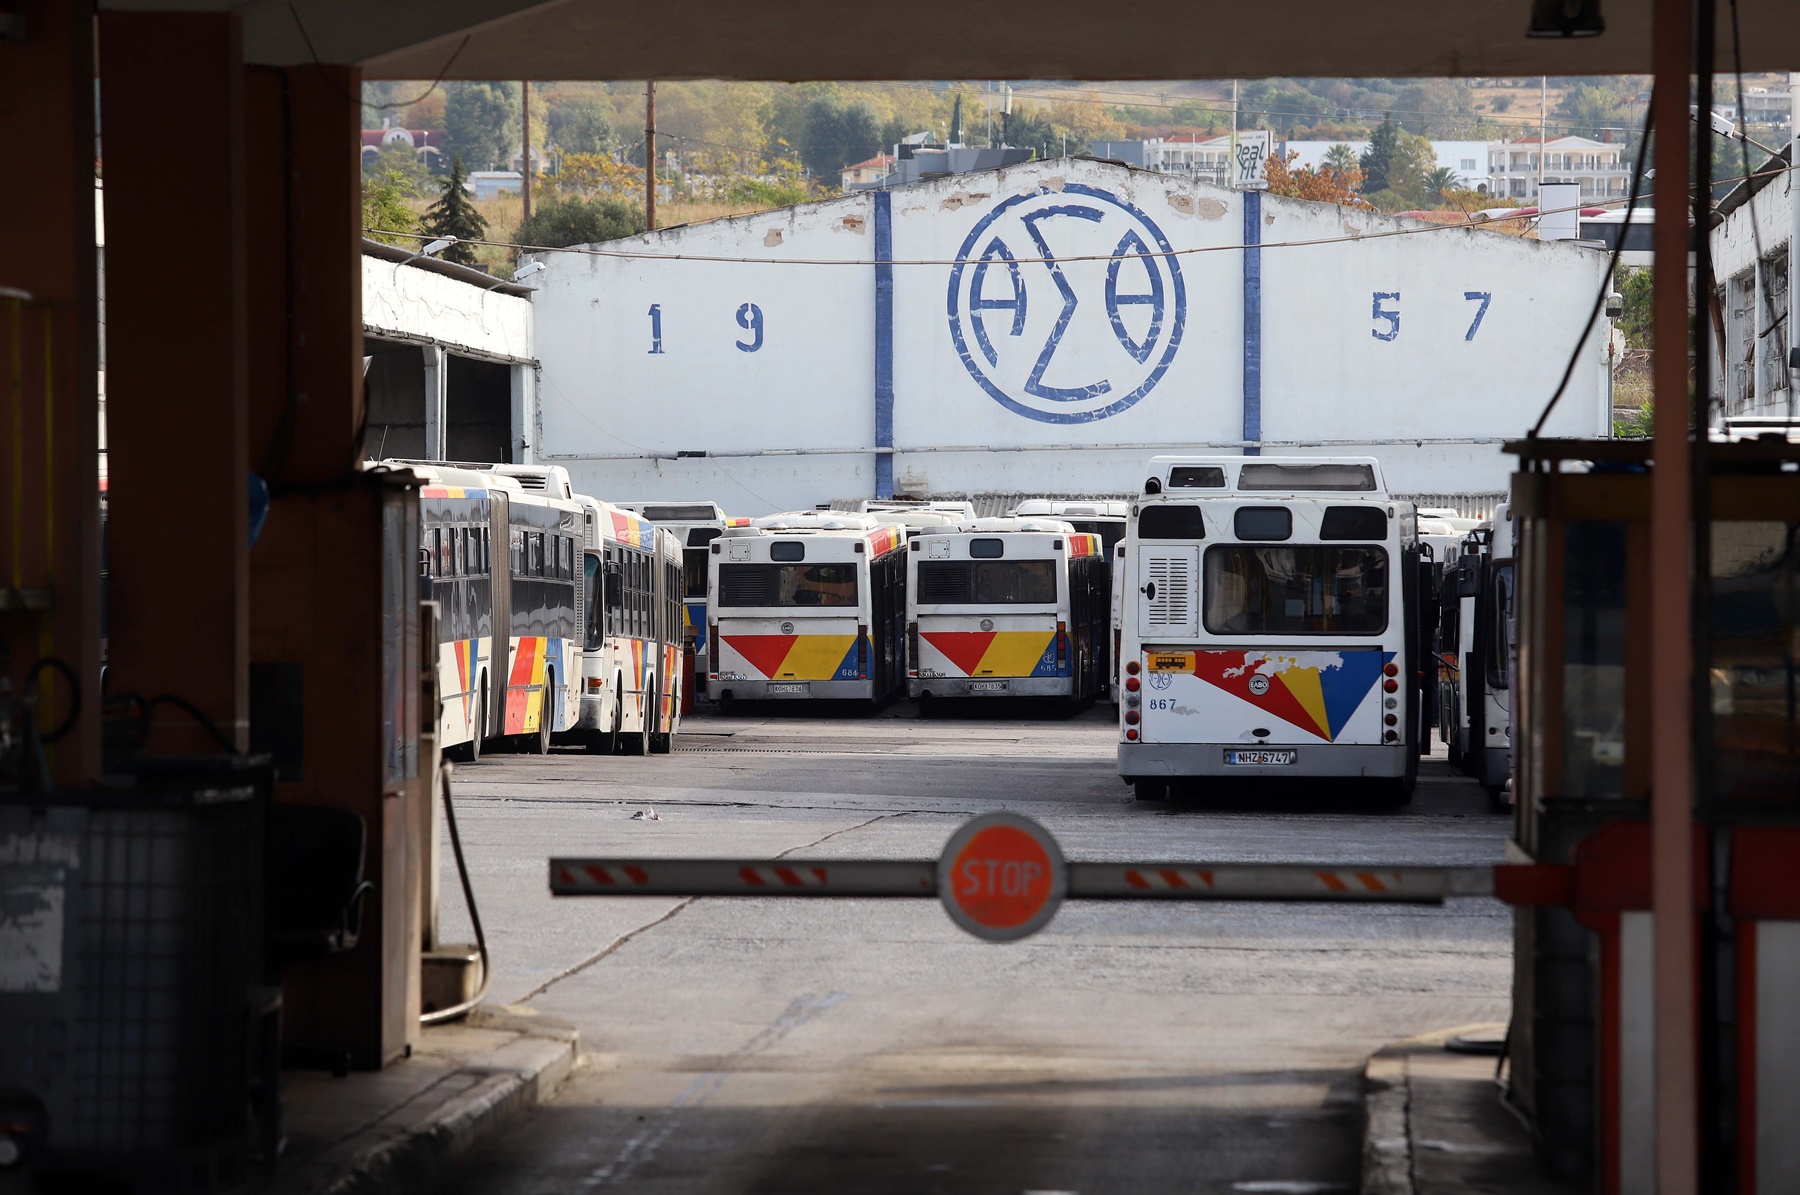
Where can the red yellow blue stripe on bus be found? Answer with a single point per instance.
(798, 657)
(528, 699)
(451, 491)
(627, 528)
(1316, 691)
(1084, 545)
(998, 653)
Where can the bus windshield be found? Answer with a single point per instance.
(1253, 590)
(787, 584)
(987, 582)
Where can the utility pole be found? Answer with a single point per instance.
(1543, 139)
(650, 155)
(525, 112)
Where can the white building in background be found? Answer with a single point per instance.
(1599, 167)
(918, 342)
(1467, 159)
(1751, 374)
(1768, 106)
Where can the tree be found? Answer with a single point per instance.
(1441, 181)
(384, 209)
(1341, 159)
(1409, 166)
(562, 220)
(581, 126)
(481, 121)
(1378, 159)
(454, 215)
(1326, 185)
(834, 134)
(588, 175)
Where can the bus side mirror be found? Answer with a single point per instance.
(1468, 577)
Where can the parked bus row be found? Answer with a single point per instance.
(1474, 665)
(560, 615)
(852, 606)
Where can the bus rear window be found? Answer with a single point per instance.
(1196, 477)
(693, 571)
(679, 513)
(987, 582)
(1302, 478)
(787, 585)
(1171, 522)
(1353, 522)
(1295, 591)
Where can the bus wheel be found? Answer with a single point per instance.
(606, 742)
(472, 749)
(1150, 790)
(637, 742)
(660, 742)
(539, 743)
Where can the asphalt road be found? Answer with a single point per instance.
(760, 1045)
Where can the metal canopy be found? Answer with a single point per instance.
(950, 39)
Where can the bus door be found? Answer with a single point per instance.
(499, 571)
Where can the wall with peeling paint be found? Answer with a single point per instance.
(1097, 318)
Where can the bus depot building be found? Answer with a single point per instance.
(1044, 329)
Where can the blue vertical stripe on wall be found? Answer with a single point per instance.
(1252, 322)
(884, 344)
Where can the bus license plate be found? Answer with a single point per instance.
(786, 690)
(987, 686)
(1259, 757)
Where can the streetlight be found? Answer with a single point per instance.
(432, 249)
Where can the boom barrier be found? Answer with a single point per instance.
(1002, 876)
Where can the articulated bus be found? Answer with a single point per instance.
(1271, 627)
(695, 525)
(1010, 607)
(501, 561)
(631, 674)
(807, 605)
(1475, 662)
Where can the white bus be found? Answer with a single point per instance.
(1102, 517)
(1271, 629)
(1119, 572)
(631, 674)
(1475, 665)
(1010, 607)
(810, 605)
(695, 525)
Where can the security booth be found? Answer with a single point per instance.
(1581, 1045)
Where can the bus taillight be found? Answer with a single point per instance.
(862, 649)
(912, 648)
(1062, 645)
(712, 649)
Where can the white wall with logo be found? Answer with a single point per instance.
(1097, 318)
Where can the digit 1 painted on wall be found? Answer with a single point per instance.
(750, 318)
(655, 329)
(1391, 317)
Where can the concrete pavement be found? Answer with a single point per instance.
(750, 1045)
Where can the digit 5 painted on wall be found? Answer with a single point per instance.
(1378, 314)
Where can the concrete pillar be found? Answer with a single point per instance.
(49, 507)
(332, 615)
(177, 407)
(524, 439)
(437, 406)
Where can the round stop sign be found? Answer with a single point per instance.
(1001, 877)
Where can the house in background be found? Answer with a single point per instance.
(424, 143)
(867, 171)
(1597, 166)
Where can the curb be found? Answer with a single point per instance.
(1387, 1153)
(499, 1088)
